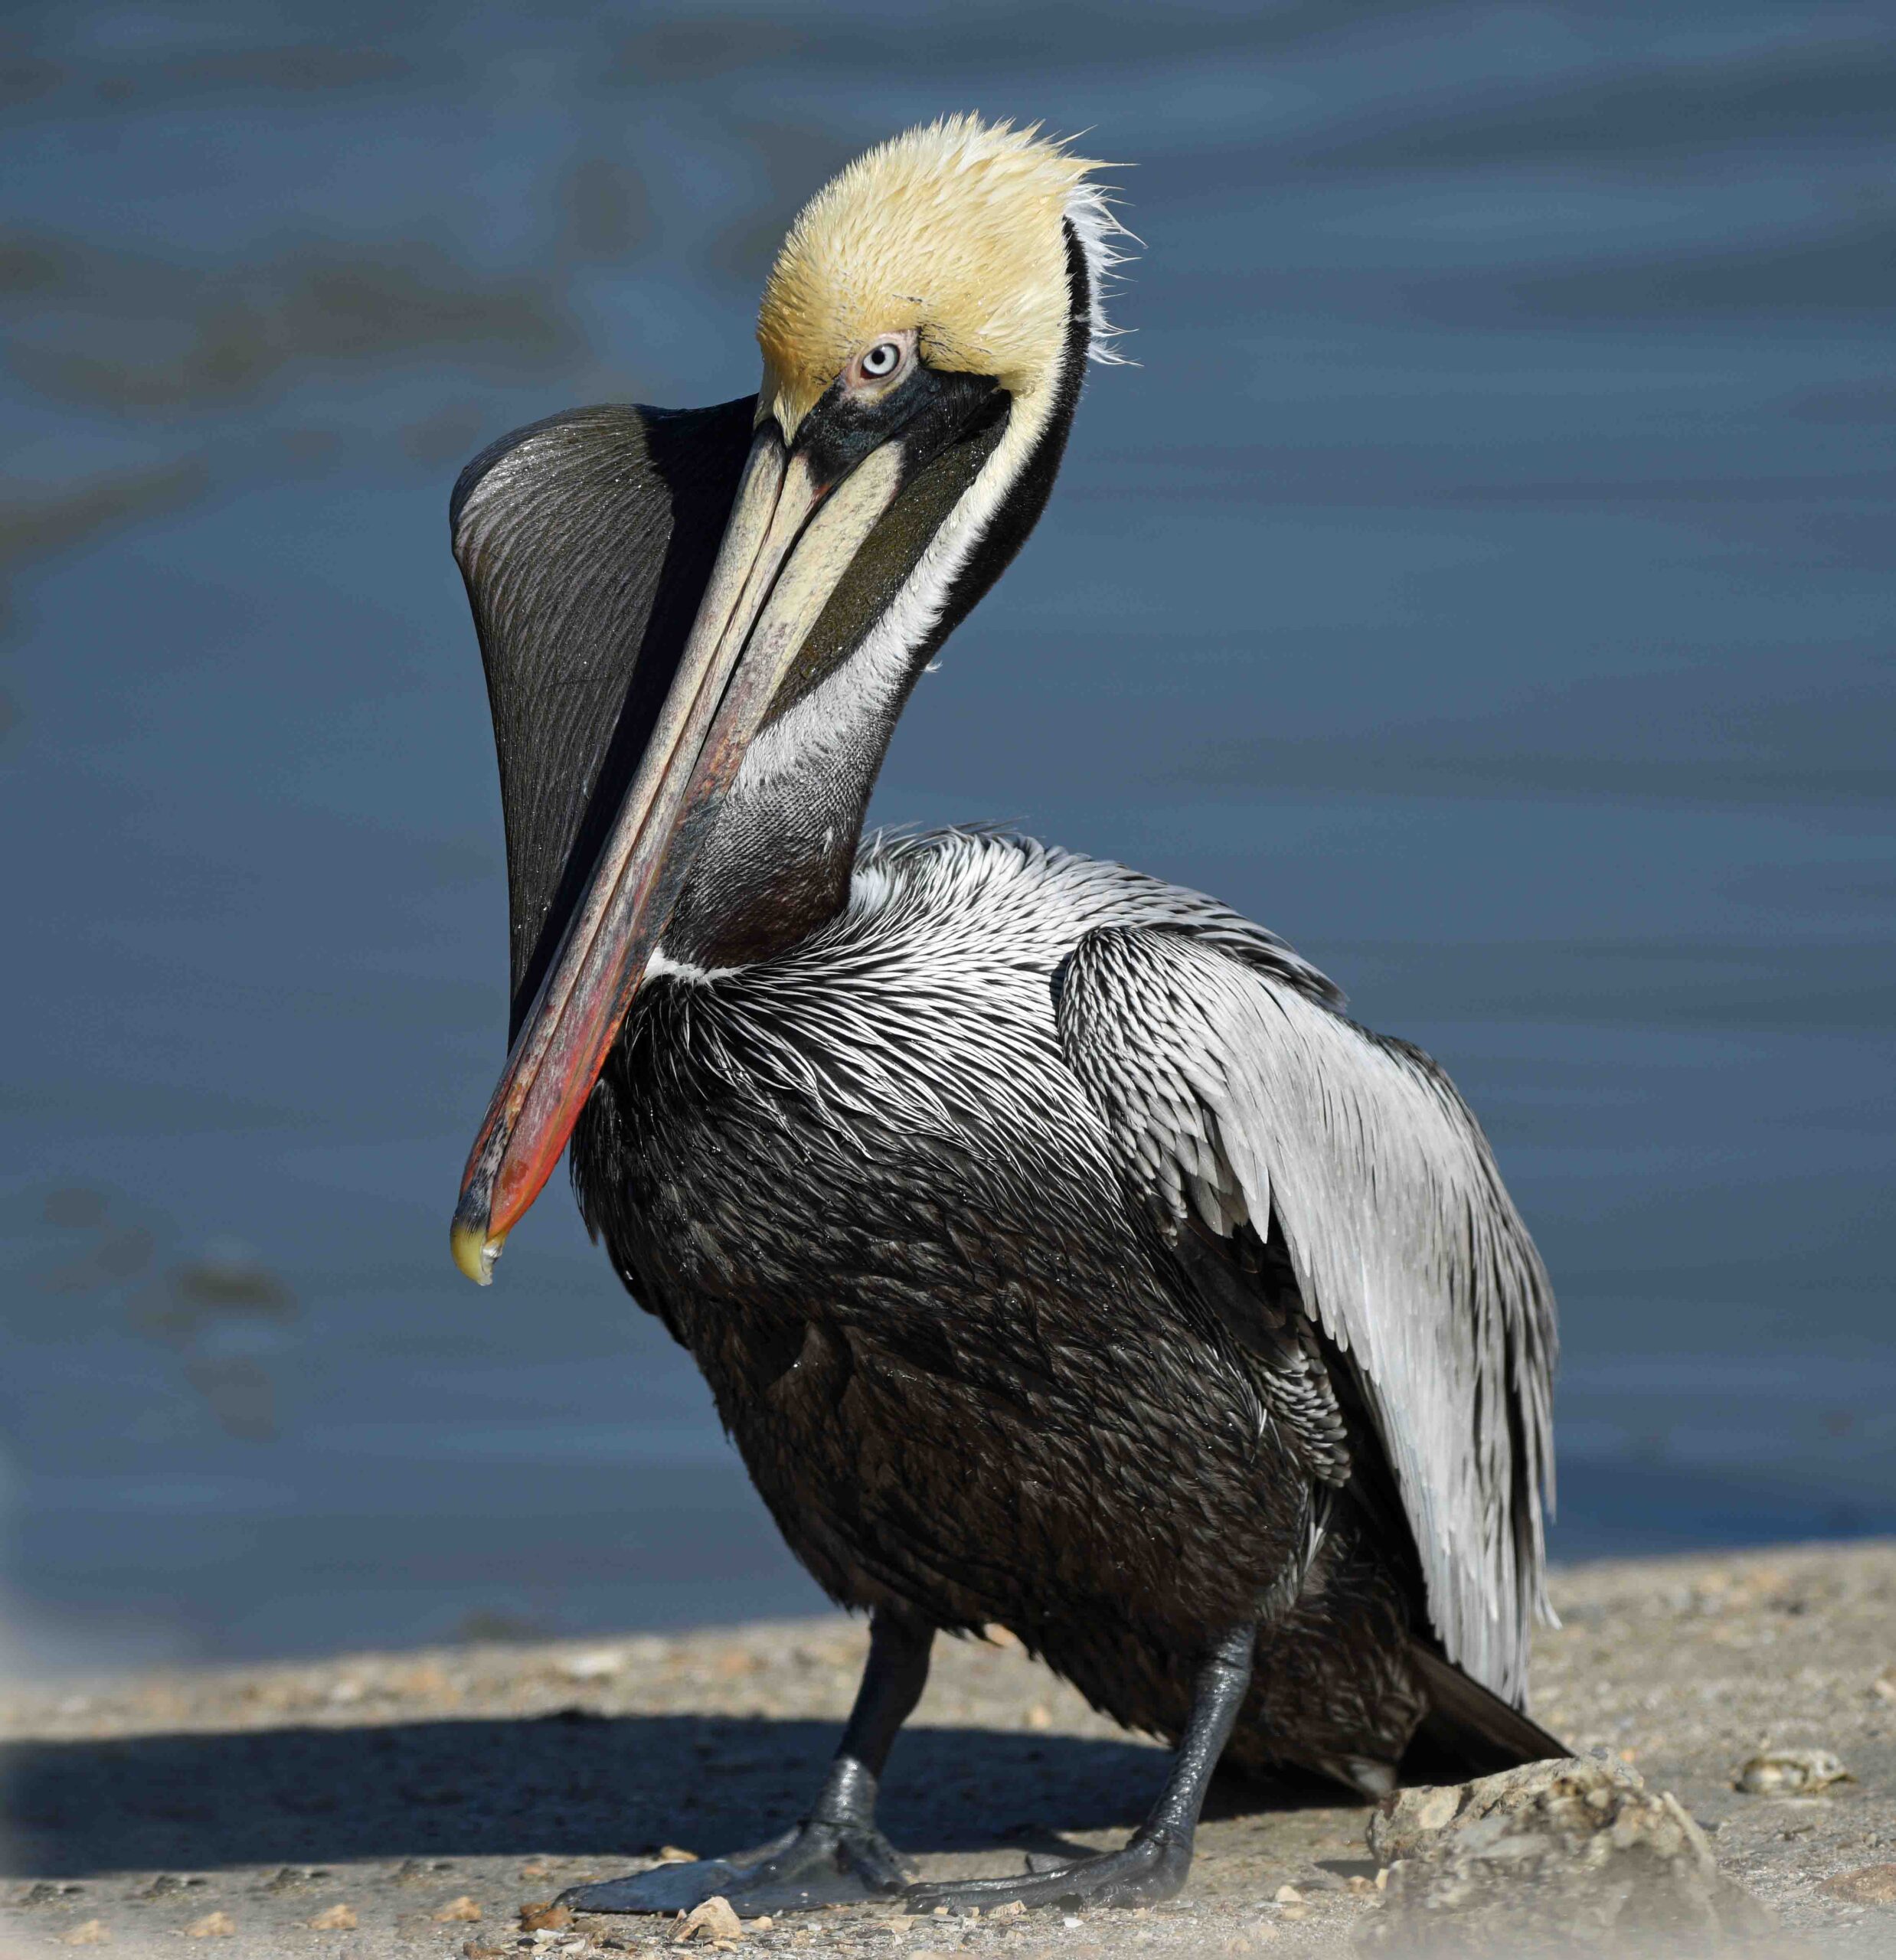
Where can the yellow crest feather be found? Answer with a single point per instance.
(954, 229)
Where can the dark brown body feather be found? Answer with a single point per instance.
(968, 1378)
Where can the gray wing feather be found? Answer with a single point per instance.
(586, 542)
(1227, 1090)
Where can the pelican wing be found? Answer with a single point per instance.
(586, 541)
(1232, 1093)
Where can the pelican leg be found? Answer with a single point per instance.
(1152, 1865)
(836, 1855)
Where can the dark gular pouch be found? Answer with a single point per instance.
(586, 542)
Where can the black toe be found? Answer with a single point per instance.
(1146, 1872)
(675, 1888)
(818, 1865)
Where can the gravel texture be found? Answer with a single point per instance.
(1573, 1857)
(421, 1804)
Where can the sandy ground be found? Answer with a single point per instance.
(382, 1805)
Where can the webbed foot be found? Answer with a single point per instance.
(836, 1856)
(1152, 1868)
(817, 1864)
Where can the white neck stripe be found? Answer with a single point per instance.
(861, 686)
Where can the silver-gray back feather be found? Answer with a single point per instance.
(1229, 1090)
(1200, 1058)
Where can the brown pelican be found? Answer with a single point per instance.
(1060, 1255)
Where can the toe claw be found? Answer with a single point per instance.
(1041, 1863)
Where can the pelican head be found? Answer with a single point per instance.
(924, 331)
(944, 250)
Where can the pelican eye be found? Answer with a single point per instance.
(882, 359)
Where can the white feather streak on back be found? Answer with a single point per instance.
(1405, 1244)
(929, 998)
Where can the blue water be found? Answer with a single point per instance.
(1485, 578)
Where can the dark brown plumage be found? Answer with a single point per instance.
(968, 1381)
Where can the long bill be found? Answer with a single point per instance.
(789, 540)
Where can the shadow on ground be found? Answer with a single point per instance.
(568, 1783)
